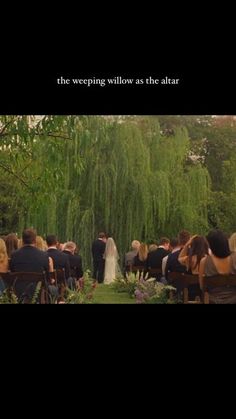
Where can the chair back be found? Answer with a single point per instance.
(23, 285)
(217, 281)
(182, 282)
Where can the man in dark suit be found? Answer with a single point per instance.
(29, 259)
(60, 259)
(75, 260)
(98, 249)
(154, 259)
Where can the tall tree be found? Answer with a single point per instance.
(78, 175)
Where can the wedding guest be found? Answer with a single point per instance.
(98, 249)
(60, 260)
(29, 259)
(219, 262)
(193, 251)
(3, 263)
(129, 256)
(11, 241)
(232, 242)
(75, 260)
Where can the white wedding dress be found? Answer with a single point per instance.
(110, 269)
(111, 262)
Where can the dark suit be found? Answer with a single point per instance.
(60, 260)
(28, 259)
(98, 249)
(75, 264)
(154, 259)
(173, 265)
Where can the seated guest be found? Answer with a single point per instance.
(155, 257)
(29, 259)
(173, 264)
(152, 247)
(41, 245)
(75, 260)
(220, 261)
(3, 263)
(60, 260)
(232, 242)
(11, 241)
(174, 247)
(129, 256)
(190, 256)
(192, 253)
(140, 259)
(154, 260)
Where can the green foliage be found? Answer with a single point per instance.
(83, 293)
(36, 293)
(127, 284)
(8, 297)
(134, 177)
(152, 292)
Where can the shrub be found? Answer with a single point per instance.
(128, 283)
(83, 294)
(152, 292)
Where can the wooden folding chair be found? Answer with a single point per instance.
(216, 281)
(61, 282)
(155, 273)
(23, 285)
(140, 269)
(182, 282)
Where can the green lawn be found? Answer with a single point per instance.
(104, 294)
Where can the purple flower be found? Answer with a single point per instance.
(139, 295)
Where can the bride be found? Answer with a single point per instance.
(111, 257)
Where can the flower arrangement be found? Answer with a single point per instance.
(152, 292)
(128, 283)
(83, 294)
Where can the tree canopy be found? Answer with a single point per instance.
(133, 176)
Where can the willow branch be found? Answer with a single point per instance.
(2, 132)
(7, 169)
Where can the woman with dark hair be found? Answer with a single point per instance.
(220, 262)
(190, 256)
(193, 251)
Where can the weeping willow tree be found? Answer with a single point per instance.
(84, 174)
(134, 183)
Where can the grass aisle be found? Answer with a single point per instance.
(104, 294)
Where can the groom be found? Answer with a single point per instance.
(98, 249)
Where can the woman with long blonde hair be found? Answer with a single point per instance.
(4, 266)
(232, 242)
